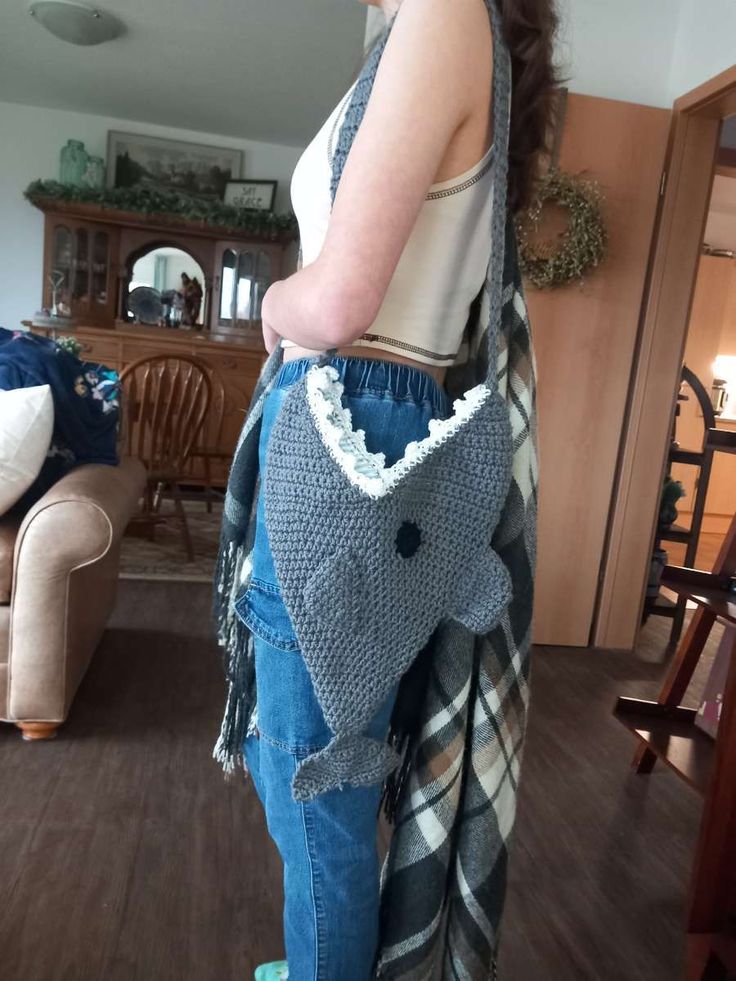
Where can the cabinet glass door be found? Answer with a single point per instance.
(261, 281)
(60, 276)
(244, 276)
(100, 257)
(80, 264)
(244, 291)
(227, 280)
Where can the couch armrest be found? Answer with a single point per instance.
(108, 495)
(59, 606)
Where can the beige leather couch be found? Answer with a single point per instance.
(58, 578)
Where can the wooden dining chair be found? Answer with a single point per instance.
(210, 447)
(166, 400)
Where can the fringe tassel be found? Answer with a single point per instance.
(236, 642)
(406, 727)
(393, 786)
(228, 750)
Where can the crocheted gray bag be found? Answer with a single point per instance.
(371, 558)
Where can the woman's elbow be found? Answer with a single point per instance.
(347, 315)
(342, 331)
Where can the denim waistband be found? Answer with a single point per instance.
(382, 377)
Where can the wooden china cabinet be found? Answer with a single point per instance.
(98, 255)
(81, 256)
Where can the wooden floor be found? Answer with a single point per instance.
(125, 857)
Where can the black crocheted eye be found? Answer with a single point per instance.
(408, 539)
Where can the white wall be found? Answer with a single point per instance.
(647, 51)
(29, 148)
(705, 44)
(374, 24)
(619, 50)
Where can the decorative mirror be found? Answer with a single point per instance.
(166, 287)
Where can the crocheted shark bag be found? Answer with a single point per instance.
(371, 558)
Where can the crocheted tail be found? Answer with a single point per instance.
(351, 758)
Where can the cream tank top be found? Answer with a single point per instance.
(443, 264)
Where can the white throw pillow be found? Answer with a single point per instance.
(26, 425)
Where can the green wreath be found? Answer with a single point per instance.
(579, 248)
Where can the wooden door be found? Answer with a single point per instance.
(585, 338)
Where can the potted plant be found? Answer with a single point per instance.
(672, 491)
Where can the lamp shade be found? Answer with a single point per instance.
(75, 22)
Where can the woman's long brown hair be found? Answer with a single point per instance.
(529, 27)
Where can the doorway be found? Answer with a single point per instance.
(710, 353)
(688, 180)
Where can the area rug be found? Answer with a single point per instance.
(165, 557)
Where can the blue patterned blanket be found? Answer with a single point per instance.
(86, 404)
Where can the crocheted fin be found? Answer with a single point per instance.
(350, 758)
(485, 592)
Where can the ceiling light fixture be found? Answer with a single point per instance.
(75, 22)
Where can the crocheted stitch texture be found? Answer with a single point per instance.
(362, 603)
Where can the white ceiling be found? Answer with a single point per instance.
(258, 69)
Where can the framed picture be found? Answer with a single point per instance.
(258, 195)
(171, 165)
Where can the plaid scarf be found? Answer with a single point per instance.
(453, 799)
(444, 879)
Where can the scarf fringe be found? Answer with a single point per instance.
(236, 643)
(393, 786)
(405, 729)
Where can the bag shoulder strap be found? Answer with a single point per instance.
(502, 84)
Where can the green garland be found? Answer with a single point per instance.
(579, 248)
(151, 201)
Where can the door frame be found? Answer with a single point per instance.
(687, 181)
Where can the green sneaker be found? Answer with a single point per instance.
(275, 971)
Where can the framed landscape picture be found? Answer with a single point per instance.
(258, 195)
(172, 165)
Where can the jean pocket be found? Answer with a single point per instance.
(262, 610)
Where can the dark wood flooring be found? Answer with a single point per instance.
(124, 855)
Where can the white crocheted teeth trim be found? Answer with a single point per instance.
(365, 470)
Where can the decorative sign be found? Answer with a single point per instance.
(254, 195)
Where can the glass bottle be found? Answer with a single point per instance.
(95, 174)
(73, 164)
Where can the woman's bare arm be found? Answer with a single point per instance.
(421, 95)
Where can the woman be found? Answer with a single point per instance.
(386, 287)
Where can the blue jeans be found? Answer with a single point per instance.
(328, 845)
